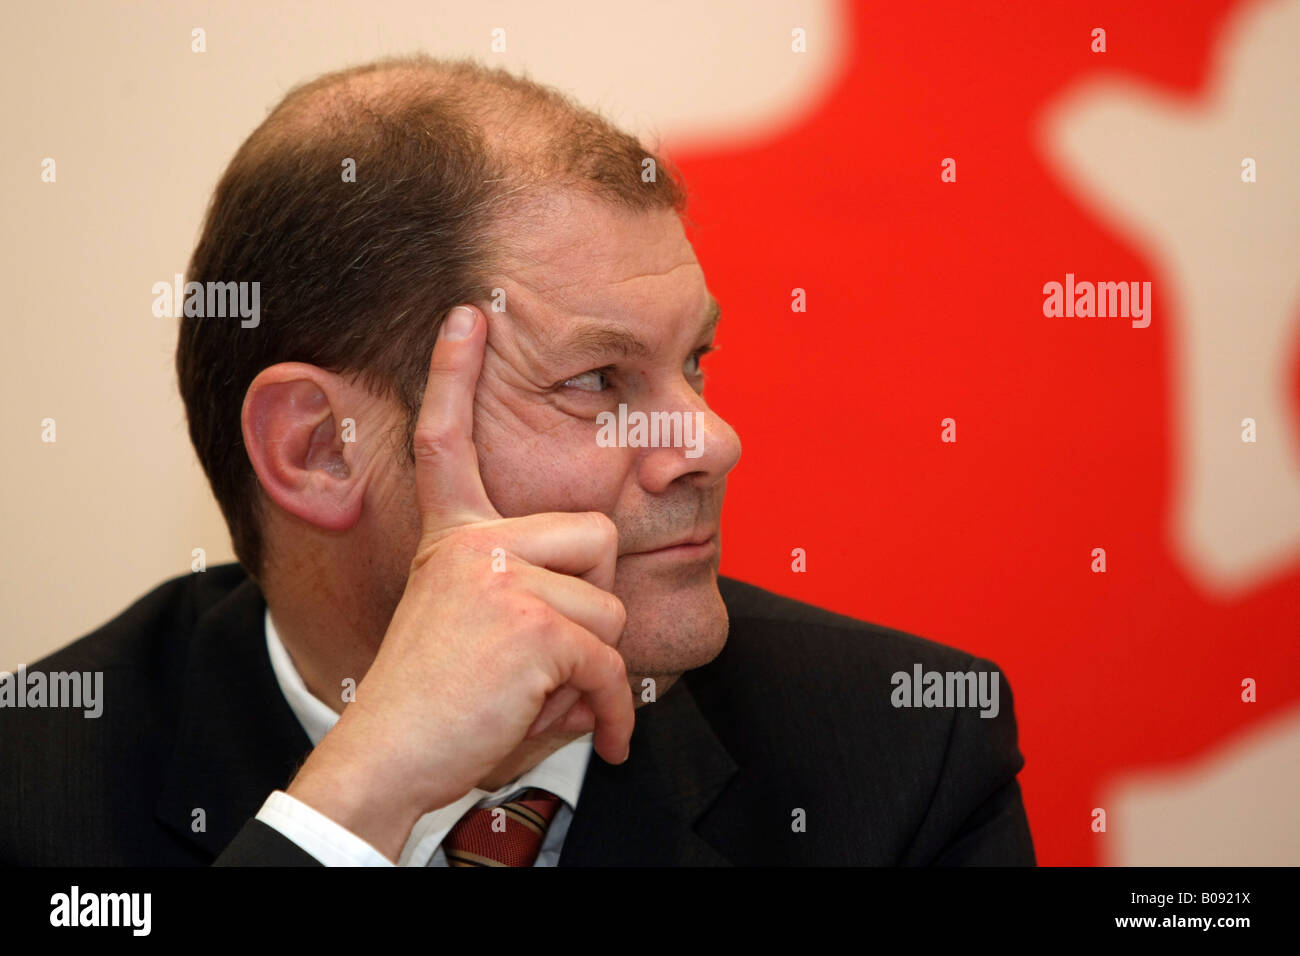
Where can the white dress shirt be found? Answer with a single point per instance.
(334, 845)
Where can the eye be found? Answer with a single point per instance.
(598, 379)
(594, 381)
(692, 366)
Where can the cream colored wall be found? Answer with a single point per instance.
(140, 128)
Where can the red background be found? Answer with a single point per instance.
(925, 302)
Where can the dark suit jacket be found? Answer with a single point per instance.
(795, 713)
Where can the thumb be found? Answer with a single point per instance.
(448, 485)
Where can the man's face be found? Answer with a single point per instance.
(610, 307)
(603, 307)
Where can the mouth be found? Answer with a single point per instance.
(693, 547)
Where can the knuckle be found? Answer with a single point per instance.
(615, 666)
(501, 582)
(604, 527)
(535, 619)
(617, 612)
(435, 442)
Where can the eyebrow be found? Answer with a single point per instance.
(596, 342)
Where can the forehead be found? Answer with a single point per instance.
(580, 258)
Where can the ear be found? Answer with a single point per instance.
(292, 430)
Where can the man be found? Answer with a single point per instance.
(452, 586)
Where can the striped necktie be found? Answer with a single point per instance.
(508, 835)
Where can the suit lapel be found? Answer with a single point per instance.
(647, 811)
(237, 738)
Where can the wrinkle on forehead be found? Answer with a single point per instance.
(592, 296)
(591, 266)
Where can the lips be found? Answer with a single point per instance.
(693, 540)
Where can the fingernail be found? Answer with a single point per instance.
(458, 324)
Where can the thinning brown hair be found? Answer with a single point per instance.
(355, 277)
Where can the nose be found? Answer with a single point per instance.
(707, 450)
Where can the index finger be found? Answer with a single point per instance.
(449, 489)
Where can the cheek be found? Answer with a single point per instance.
(560, 469)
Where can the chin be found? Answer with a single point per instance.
(676, 619)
